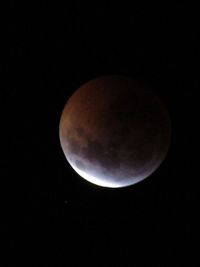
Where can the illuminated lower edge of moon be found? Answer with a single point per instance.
(101, 181)
(95, 180)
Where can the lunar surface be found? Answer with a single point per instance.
(114, 131)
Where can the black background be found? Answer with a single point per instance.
(50, 215)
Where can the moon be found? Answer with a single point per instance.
(114, 131)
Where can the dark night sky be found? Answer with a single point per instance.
(50, 215)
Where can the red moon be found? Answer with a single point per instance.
(114, 131)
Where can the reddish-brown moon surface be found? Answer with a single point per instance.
(114, 131)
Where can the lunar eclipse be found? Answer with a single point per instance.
(114, 131)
